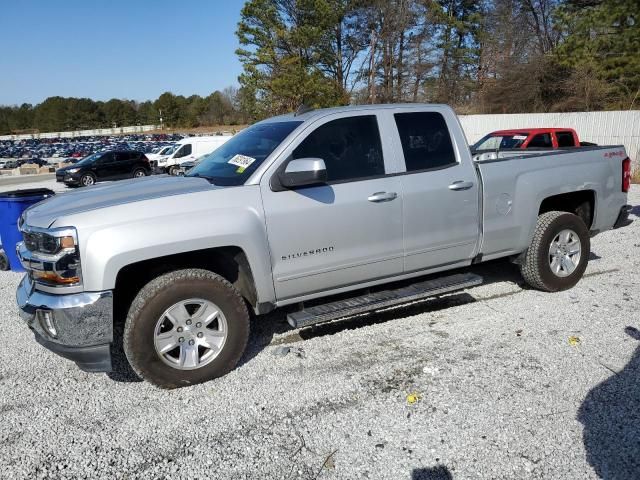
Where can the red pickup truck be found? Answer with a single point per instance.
(528, 138)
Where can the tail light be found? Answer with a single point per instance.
(626, 174)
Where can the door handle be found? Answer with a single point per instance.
(379, 197)
(460, 185)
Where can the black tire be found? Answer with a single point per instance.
(138, 171)
(4, 261)
(160, 294)
(174, 170)
(87, 179)
(536, 269)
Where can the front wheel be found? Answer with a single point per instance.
(185, 327)
(174, 170)
(87, 180)
(558, 254)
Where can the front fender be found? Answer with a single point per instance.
(167, 226)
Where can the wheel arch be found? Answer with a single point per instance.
(229, 262)
(581, 203)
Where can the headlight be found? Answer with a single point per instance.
(73, 170)
(51, 256)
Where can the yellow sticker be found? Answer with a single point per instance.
(413, 398)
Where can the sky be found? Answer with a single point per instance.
(103, 49)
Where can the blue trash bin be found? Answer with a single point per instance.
(12, 204)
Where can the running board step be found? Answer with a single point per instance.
(384, 299)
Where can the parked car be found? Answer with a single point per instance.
(33, 161)
(188, 149)
(298, 208)
(160, 152)
(524, 138)
(111, 165)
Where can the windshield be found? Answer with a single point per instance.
(235, 161)
(165, 150)
(495, 142)
(90, 158)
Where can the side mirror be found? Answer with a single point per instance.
(303, 172)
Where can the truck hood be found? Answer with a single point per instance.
(109, 194)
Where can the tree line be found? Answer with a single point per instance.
(65, 114)
(489, 56)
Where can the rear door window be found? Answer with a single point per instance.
(541, 140)
(565, 139)
(350, 147)
(426, 142)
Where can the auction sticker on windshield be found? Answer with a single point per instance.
(242, 162)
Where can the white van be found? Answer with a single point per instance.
(189, 149)
(160, 152)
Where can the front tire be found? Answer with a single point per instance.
(558, 254)
(174, 170)
(87, 180)
(185, 327)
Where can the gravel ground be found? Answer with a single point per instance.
(502, 391)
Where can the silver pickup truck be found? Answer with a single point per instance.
(297, 208)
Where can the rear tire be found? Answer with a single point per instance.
(139, 173)
(550, 263)
(156, 300)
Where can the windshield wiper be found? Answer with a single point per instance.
(207, 177)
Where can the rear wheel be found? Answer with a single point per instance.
(139, 173)
(558, 254)
(185, 327)
(87, 180)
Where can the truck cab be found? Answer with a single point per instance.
(528, 138)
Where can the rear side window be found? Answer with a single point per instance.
(425, 140)
(350, 147)
(542, 140)
(124, 156)
(565, 139)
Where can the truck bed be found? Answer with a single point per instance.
(514, 186)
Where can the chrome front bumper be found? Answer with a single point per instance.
(83, 324)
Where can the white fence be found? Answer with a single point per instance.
(83, 133)
(603, 128)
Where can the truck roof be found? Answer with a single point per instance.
(531, 131)
(312, 114)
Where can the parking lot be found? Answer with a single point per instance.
(499, 381)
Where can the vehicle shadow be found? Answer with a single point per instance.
(264, 329)
(439, 472)
(122, 371)
(610, 414)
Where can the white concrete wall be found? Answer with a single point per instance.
(603, 128)
(82, 133)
